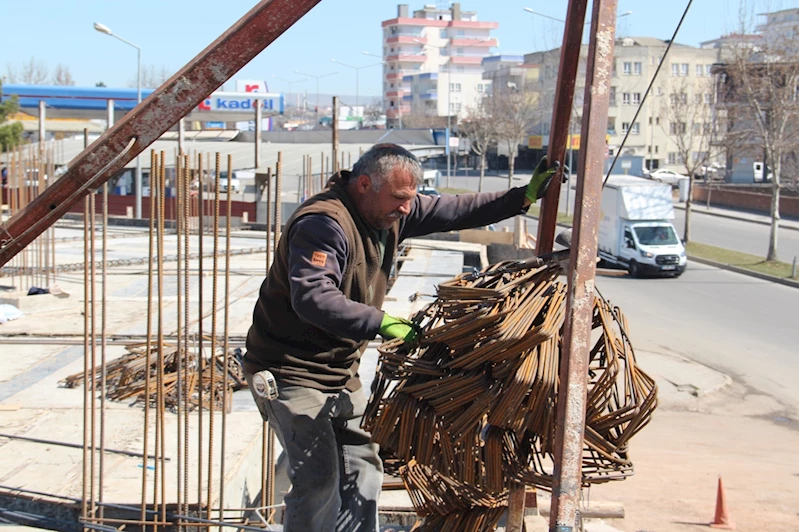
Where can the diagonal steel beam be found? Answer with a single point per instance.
(149, 120)
(561, 116)
(570, 425)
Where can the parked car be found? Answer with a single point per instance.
(427, 191)
(664, 175)
(235, 185)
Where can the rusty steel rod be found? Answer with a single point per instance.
(570, 427)
(155, 115)
(561, 117)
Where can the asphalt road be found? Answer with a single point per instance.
(742, 236)
(736, 324)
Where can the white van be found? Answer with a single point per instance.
(635, 229)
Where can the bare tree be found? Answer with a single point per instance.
(151, 76)
(62, 76)
(690, 126)
(759, 89)
(512, 111)
(478, 127)
(34, 72)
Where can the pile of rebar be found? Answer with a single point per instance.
(126, 378)
(472, 407)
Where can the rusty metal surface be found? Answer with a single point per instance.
(561, 116)
(581, 274)
(150, 119)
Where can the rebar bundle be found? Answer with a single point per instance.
(125, 377)
(472, 407)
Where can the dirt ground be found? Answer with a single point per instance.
(744, 437)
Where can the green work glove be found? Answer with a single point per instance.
(540, 181)
(392, 327)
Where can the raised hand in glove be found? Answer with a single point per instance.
(392, 327)
(540, 181)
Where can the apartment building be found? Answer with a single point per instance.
(433, 61)
(685, 75)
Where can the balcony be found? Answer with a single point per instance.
(465, 41)
(407, 39)
(466, 60)
(407, 58)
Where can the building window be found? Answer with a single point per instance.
(696, 128)
(684, 69)
(636, 128)
(675, 69)
(708, 98)
(708, 70)
(636, 98)
(455, 87)
(625, 98)
(624, 127)
(697, 99)
(611, 126)
(676, 128)
(700, 71)
(442, 34)
(656, 149)
(479, 88)
(612, 99)
(637, 68)
(454, 108)
(628, 68)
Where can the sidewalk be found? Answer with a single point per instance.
(735, 214)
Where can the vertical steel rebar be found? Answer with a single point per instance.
(570, 427)
(335, 135)
(84, 493)
(212, 363)
(225, 343)
(180, 355)
(278, 196)
(200, 361)
(93, 347)
(161, 358)
(268, 191)
(148, 345)
(103, 316)
(186, 310)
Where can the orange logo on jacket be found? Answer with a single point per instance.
(319, 258)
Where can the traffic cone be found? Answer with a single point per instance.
(722, 519)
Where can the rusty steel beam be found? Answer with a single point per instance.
(149, 120)
(561, 116)
(570, 425)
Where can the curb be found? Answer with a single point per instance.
(743, 271)
(734, 217)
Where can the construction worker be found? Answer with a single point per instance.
(318, 308)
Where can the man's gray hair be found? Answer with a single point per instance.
(380, 161)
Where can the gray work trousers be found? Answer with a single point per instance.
(333, 465)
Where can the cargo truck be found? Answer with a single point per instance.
(635, 230)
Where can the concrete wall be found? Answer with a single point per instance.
(756, 199)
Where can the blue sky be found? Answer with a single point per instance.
(171, 32)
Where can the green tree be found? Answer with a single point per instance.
(10, 133)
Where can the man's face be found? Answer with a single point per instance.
(381, 209)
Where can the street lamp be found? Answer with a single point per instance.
(102, 28)
(290, 83)
(625, 14)
(317, 83)
(449, 106)
(357, 70)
